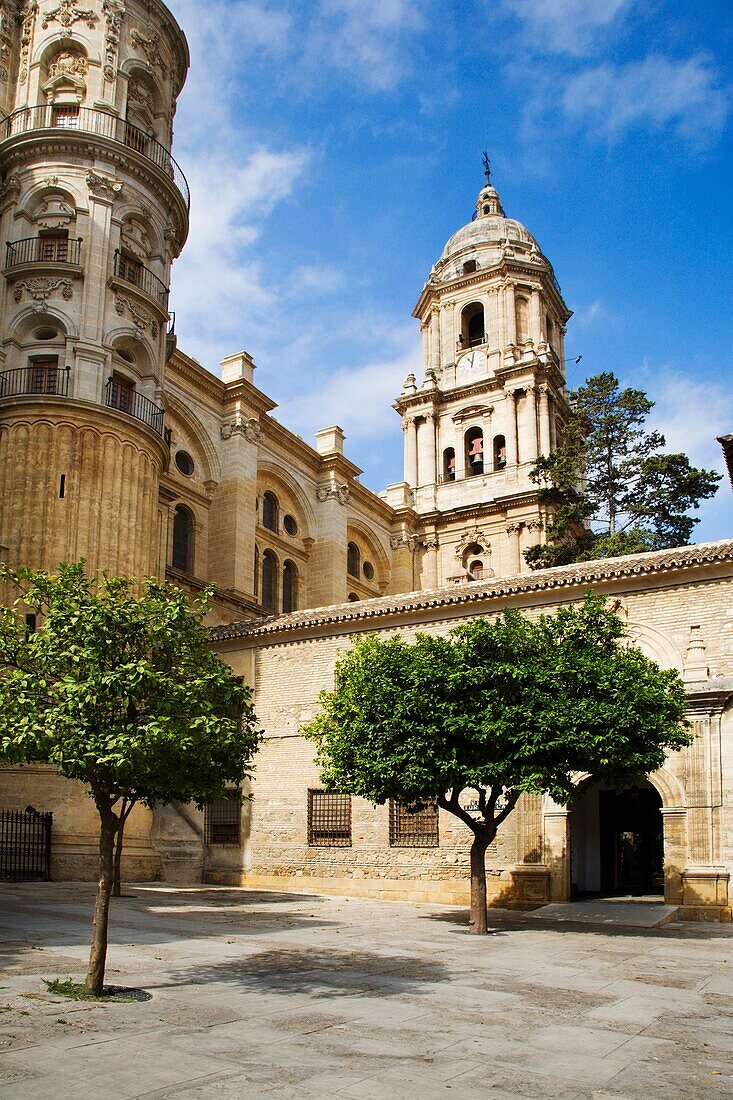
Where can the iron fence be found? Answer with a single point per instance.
(135, 273)
(32, 250)
(25, 845)
(35, 378)
(134, 404)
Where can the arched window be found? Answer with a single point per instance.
(476, 570)
(257, 570)
(182, 539)
(449, 464)
(472, 325)
(270, 511)
(499, 452)
(469, 267)
(353, 558)
(269, 581)
(521, 311)
(290, 587)
(474, 439)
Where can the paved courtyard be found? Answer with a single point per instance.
(263, 994)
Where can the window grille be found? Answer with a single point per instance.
(410, 828)
(223, 819)
(66, 118)
(329, 819)
(181, 557)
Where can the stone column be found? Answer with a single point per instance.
(511, 428)
(537, 327)
(545, 434)
(430, 564)
(510, 315)
(233, 516)
(557, 850)
(460, 453)
(426, 450)
(403, 565)
(530, 448)
(674, 819)
(409, 427)
(435, 338)
(327, 567)
(530, 535)
(513, 530)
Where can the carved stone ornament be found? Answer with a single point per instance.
(140, 98)
(341, 493)
(28, 17)
(40, 290)
(54, 213)
(10, 188)
(430, 544)
(142, 320)
(67, 13)
(403, 542)
(113, 11)
(474, 536)
(69, 64)
(102, 187)
(249, 427)
(150, 46)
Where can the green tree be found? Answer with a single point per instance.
(123, 693)
(497, 708)
(611, 488)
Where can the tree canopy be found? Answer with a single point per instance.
(499, 707)
(122, 692)
(611, 487)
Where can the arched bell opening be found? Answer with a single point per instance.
(474, 446)
(473, 328)
(449, 464)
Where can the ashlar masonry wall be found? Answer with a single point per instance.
(679, 609)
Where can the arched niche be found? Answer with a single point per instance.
(271, 475)
(192, 426)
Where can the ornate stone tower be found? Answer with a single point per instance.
(94, 209)
(493, 397)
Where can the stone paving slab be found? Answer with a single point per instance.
(610, 912)
(262, 994)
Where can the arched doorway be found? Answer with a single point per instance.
(617, 842)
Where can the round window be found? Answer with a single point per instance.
(368, 570)
(45, 334)
(125, 354)
(185, 463)
(290, 525)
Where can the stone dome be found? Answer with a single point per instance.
(490, 226)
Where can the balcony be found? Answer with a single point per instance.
(42, 379)
(127, 400)
(102, 124)
(44, 250)
(133, 272)
(35, 379)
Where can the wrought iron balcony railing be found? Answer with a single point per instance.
(34, 379)
(101, 123)
(51, 381)
(129, 401)
(33, 250)
(133, 272)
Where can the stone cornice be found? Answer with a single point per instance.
(193, 372)
(579, 575)
(506, 267)
(492, 388)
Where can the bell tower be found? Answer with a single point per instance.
(94, 210)
(492, 398)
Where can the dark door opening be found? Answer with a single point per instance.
(631, 841)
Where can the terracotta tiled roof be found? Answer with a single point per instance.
(658, 561)
(726, 441)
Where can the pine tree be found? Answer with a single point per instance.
(612, 489)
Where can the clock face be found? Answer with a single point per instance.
(472, 362)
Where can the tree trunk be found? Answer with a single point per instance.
(98, 955)
(478, 923)
(116, 881)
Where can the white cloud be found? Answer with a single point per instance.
(654, 93)
(575, 27)
(313, 280)
(358, 398)
(365, 41)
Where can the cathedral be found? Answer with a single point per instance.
(117, 447)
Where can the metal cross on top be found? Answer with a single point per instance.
(487, 167)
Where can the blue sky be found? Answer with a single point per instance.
(332, 147)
